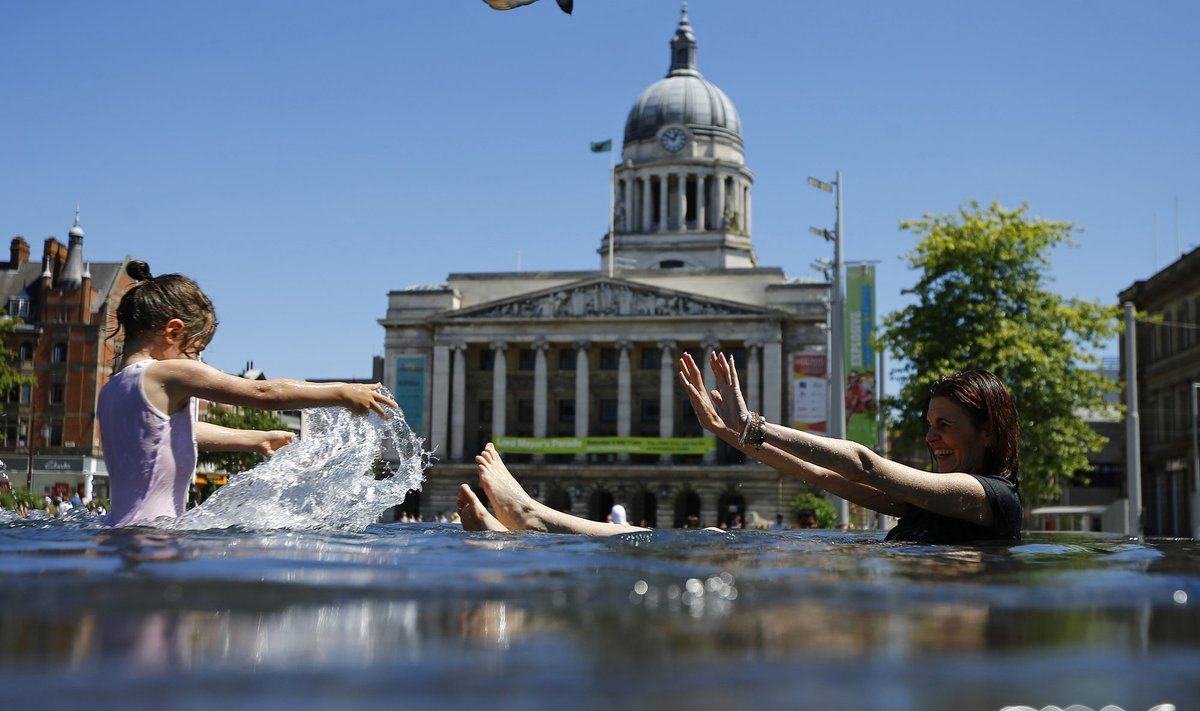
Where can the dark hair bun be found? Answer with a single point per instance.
(139, 270)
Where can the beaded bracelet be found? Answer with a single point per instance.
(760, 433)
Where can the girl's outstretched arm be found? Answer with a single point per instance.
(173, 382)
(215, 438)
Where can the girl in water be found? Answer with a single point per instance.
(148, 413)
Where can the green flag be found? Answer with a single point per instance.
(601, 146)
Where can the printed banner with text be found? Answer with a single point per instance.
(861, 406)
(605, 445)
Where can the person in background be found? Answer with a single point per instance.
(972, 436)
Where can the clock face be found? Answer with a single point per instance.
(673, 139)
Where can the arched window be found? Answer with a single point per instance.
(58, 354)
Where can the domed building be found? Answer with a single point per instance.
(682, 189)
(573, 374)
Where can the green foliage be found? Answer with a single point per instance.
(10, 373)
(20, 495)
(982, 301)
(243, 418)
(821, 506)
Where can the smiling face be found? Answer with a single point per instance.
(957, 444)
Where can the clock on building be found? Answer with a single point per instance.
(673, 139)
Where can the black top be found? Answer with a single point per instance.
(921, 526)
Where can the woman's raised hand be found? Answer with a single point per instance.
(707, 406)
(731, 406)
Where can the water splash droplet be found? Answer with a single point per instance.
(324, 480)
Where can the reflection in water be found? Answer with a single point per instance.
(662, 611)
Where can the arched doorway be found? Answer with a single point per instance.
(643, 509)
(731, 510)
(687, 510)
(600, 503)
(558, 499)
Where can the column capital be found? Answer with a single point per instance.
(667, 345)
(541, 344)
(499, 345)
(583, 345)
(625, 344)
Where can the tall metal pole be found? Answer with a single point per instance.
(1196, 460)
(1133, 442)
(837, 365)
(612, 206)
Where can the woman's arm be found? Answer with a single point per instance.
(731, 408)
(215, 438)
(957, 495)
(175, 381)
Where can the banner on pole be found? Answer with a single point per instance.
(861, 404)
(409, 392)
(810, 392)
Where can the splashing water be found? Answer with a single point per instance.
(323, 480)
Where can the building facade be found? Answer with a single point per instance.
(65, 312)
(575, 372)
(1168, 364)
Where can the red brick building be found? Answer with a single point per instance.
(66, 307)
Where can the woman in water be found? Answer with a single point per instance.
(147, 410)
(972, 435)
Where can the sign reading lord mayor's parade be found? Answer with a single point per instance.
(605, 445)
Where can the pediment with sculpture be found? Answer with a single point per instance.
(606, 299)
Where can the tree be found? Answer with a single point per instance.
(10, 374)
(982, 301)
(243, 418)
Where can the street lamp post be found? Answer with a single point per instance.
(1196, 460)
(837, 358)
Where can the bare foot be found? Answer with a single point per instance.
(515, 508)
(473, 514)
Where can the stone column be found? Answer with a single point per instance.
(439, 416)
(499, 388)
(540, 391)
(681, 200)
(647, 204)
(701, 202)
(719, 206)
(747, 211)
(753, 383)
(458, 401)
(772, 406)
(624, 393)
(581, 394)
(664, 221)
(707, 346)
(666, 393)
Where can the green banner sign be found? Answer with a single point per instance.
(861, 408)
(605, 445)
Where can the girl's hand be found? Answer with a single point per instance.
(361, 399)
(273, 440)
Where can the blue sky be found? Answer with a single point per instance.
(300, 159)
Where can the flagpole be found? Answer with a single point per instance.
(612, 206)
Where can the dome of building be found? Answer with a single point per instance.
(683, 97)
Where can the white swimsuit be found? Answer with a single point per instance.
(150, 456)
